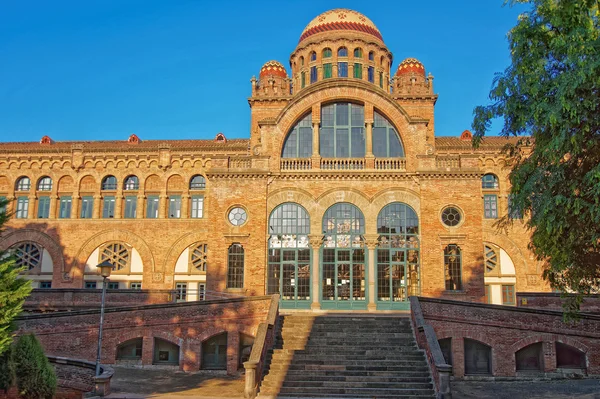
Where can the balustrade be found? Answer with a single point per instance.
(295, 164)
(449, 162)
(343, 164)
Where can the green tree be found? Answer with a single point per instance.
(35, 375)
(13, 289)
(550, 97)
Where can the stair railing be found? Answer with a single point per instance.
(265, 338)
(427, 340)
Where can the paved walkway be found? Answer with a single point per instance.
(555, 389)
(140, 383)
(137, 383)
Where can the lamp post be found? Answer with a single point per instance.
(104, 269)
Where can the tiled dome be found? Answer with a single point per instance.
(340, 19)
(273, 68)
(410, 65)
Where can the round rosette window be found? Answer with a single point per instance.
(451, 216)
(237, 216)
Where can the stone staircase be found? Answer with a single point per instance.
(346, 356)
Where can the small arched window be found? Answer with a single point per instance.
(478, 357)
(326, 53)
(23, 184)
(197, 182)
(109, 183)
(452, 267)
(301, 61)
(44, 184)
(117, 253)
(371, 56)
(131, 183)
(342, 52)
(358, 52)
(235, 266)
(489, 181)
(28, 255)
(313, 56)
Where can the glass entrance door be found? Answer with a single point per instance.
(343, 259)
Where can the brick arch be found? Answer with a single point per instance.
(39, 237)
(299, 196)
(114, 235)
(334, 196)
(391, 195)
(510, 247)
(127, 335)
(356, 91)
(212, 332)
(179, 246)
(532, 339)
(459, 333)
(574, 343)
(169, 337)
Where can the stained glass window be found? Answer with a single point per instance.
(452, 267)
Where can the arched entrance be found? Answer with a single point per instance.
(343, 259)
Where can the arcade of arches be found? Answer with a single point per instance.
(341, 197)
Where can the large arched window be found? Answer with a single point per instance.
(397, 253)
(343, 256)
(386, 143)
(289, 253)
(298, 143)
(342, 133)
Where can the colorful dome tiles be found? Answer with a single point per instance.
(273, 68)
(410, 65)
(340, 19)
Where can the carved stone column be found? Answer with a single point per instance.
(97, 207)
(369, 157)
(118, 205)
(31, 207)
(139, 212)
(371, 243)
(315, 242)
(75, 204)
(53, 202)
(162, 205)
(316, 157)
(185, 204)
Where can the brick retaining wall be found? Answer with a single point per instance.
(75, 334)
(508, 329)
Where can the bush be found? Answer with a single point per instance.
(34, 374)
(7, 369)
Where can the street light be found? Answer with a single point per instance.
(104, 269)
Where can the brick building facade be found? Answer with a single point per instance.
(341, 198)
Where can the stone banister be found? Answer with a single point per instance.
(265, 338)
(427, 340)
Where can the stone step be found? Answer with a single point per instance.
(358, 367)
(347, 384)
(410, 373)
(332, 347)
(392, 356)
(351, 392)
(342, 396)
(397, 351)
(306, 377)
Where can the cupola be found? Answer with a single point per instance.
(273, 81)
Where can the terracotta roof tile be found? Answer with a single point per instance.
(487, 143)
(144, 145)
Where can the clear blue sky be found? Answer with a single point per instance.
(103, 69)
